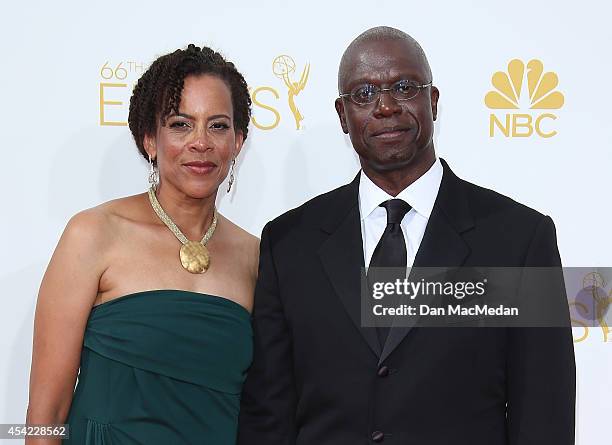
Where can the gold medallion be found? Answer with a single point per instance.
(195, 257)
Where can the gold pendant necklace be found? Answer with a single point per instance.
(194, 255)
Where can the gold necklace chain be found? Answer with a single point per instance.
(194, 255)
(173, 227)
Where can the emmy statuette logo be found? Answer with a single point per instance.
(283, 67)
(592, 304)
(509, 94)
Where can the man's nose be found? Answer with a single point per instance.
(386, 105)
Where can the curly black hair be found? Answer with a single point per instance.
(158, 92)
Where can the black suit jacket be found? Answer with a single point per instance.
(319, 378)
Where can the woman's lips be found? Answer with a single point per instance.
(200, 167)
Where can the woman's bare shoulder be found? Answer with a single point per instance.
(238, 234)
(135, 207)
(100, 222)
(245, 251)
(242, 241)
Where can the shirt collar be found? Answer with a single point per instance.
(421, 194)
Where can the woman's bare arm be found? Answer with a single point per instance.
(67, 293)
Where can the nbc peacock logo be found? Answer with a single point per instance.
(509, 94)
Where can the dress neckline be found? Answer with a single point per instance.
(202, 295)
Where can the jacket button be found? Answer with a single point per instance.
(383, 371)
(378, 436)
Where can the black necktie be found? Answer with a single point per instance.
(391, 249)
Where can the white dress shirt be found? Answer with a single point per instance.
(421, 195)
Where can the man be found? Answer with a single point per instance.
(320, 377)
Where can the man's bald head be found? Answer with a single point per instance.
(378, 34)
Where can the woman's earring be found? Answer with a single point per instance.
(153, 174)
(231, 179)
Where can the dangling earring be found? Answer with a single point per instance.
(231, 179)
(153, 174)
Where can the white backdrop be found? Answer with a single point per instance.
(59, 155)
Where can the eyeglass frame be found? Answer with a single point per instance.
(382, 90)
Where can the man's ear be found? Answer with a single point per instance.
(341, 114)
(435, 95)
(150, 146)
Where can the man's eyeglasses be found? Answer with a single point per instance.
(400, 90)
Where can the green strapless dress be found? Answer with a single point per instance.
(161, 367)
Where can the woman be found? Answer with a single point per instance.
(150, 295)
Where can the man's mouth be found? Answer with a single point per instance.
(391, 132)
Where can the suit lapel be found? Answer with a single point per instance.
(342, 257)
(442, 244)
